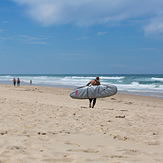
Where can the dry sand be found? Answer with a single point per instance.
(41, 124)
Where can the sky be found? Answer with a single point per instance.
(81, 37)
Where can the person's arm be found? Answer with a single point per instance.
(89, 83)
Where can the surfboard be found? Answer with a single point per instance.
(98, 91)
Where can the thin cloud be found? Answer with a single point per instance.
(33, 40)
(82, 38)
(30, 37)
(5, 38)
(101, 33)
(38, 43)
(85, 13)
(4, 22)
(155, 26)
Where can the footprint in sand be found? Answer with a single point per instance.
(120, 137)
(15, 148)
(131, 152)
(59, 160)
(83, 150)
(153, 143)
(114, 156)
(69, 143)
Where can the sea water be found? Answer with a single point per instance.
(141, 84)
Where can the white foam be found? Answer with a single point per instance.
(119, 81)
(136, 87)
(157, 79)
(112, 78)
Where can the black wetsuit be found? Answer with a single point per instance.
(94, 101)
(14, 82)
(18, 82)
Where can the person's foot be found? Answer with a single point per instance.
(89, 105)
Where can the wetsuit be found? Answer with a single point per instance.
(94, 101)
(14, 82)
(18, 82)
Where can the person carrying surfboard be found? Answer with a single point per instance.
(93, 82)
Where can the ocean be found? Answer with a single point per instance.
(139, 84)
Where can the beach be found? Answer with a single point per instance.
(44, 124)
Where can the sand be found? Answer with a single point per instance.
(44, 125)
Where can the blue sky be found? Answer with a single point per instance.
(81, 37)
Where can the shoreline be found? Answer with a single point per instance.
(138, 84)
(149, 94)
(69, 89)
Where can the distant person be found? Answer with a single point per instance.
(31, 82)
(18, 82)
(93, 82)
(14, 81)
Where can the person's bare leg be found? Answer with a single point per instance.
(90, 100)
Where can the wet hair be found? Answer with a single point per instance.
(97, 78)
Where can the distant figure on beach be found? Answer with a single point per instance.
(18, 82)
(30, 81)
(14, 81)
(93, 82)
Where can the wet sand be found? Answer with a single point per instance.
(43, 124)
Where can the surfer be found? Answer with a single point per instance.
(14, 81)
(18, 82)
(93, 82)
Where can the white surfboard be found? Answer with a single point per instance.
(89, 92)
